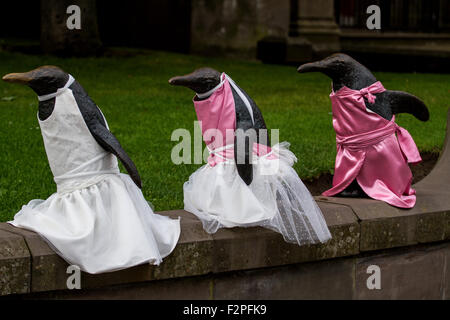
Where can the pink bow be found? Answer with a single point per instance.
(366, 93)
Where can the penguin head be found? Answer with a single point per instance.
(200, 81)
(343, 70)
(43, 80)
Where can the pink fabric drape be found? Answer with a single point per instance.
(371, 149)
(218, 118)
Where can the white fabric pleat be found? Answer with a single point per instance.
(105, 227)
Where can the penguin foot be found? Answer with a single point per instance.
(352, 194)
(353, 191)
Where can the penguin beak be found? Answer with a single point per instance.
(198, 81)
(180, 80)
(21, 78)
(311, 67)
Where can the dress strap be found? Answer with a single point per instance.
(58, 92)
(210, 92)
(242, 96)
(233, 84)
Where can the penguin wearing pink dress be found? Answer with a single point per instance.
(373, 152)
(250, 186)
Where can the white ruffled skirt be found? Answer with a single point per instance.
(276, 199)
(103, 227)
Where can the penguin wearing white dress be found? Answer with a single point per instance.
(98, 219)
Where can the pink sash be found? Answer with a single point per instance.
(364, 140)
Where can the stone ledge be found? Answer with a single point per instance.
(383, 226)
(197, 253)
(357, 225)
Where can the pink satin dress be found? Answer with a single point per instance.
(371, 149)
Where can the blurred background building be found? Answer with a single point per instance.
(414, 34)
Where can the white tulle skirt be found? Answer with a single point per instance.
(276, 199)
(104, 227)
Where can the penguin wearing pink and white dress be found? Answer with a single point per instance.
(245, 181)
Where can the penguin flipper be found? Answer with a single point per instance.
(109, 142)
(403, 102)
(259, 122)
(243, 138)
(96, 124)
(244, 124)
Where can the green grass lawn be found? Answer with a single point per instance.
(143, 109)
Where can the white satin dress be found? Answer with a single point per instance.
(98, 219)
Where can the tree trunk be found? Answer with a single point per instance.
(57, 38)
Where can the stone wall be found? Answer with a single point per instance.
(299, 31)
(230, 27)
(250, 264)
(418, 272)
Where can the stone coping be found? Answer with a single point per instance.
(27, 264)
